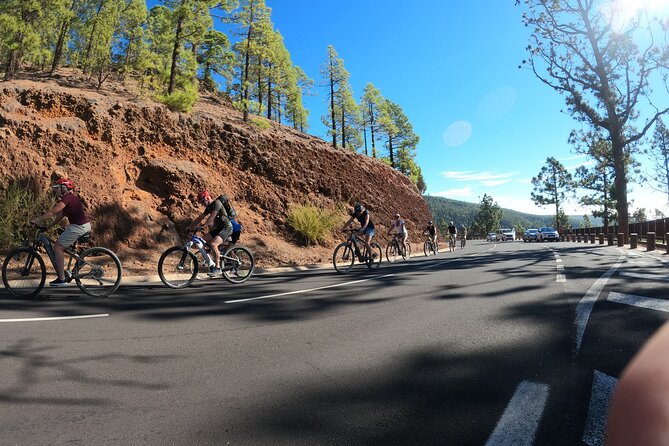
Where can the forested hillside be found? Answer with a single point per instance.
(461, 212)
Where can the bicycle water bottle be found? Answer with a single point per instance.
(199, 244)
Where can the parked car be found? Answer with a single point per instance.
(548, 234)
(506, 234)
(530, 235)
(492, 237)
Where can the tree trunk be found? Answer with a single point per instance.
(390, 151)
(343, 128)
(332, 107)
(58, 52)
(364, 138)
(269, 93)
(247, 58)
(175, 56)
(620, 182)
(371, 129)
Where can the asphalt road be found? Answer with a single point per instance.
(499, 343)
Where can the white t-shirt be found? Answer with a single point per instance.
(398, 227)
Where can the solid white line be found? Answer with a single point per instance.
(60, 318)
(595, 425)
(584, 307)
(560, 278)
(644, 276)
(650, 303)
(521, 417)
(307, 290)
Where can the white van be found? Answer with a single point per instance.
(506, 235)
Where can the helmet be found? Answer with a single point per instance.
(397, 215)
(64, 182)
(202, 195)
(357, 208)
(451, 223)
(429, 222)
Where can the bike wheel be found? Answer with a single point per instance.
(343, 258)
(407, 251)
(427, 248)
(392, 252)
(98, 272)
(435, 246)
(237, 264)
(451, 245)
(23, 272)
(177, 267)
(374, 260)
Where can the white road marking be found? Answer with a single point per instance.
(595, 425)
(650, 303)
(644, 276)
(520, 419)
(584, 307)
(560, 278)
(307, 290)
(59, 318)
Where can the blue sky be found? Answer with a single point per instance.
(485, 125)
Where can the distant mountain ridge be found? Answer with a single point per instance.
(462, 212)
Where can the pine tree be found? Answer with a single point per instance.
(551, 186)
(20, 32)
(335, 77)
(371, 104)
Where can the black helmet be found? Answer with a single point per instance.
(357, 208)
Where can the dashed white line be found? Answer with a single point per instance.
(58, 318)
(522, 415)
(595, 425)
(650, 303)
(307, 290)
(584, 307)
(644, 276)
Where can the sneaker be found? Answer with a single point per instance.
(214, 272)
(58, 282)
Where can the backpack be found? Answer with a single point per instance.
(228, 206)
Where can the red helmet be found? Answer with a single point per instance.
(202, 195)
(64, 182)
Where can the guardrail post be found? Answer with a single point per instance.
(601, 238)
(592, 238)
(573, 237)
(578, 238)
(650, 241)
(621, 239)
(634, 238)
(609, 238)
(666, 241)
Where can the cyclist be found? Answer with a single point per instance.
(463, 235)
(452, 231)
(218, 224)
(68, 205)
(366, 225)
(399, 227)
(431, 231)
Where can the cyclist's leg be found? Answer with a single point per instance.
(67, 239)
(369, 233)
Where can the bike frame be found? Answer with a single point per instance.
(44, 240)
(198, 243)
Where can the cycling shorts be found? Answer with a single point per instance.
(72, 233)
(222, 229)
(369, 231)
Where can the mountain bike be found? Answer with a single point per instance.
(463, 241)
(346, 252)
(397, 249)
(451, 242)
(178, 266)
(430, 247)
(97, 271)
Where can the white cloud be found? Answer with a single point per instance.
(457, 133)
(584, 163)
(470, 175)
(455, 193)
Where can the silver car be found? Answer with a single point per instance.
(548, 234)
(530, 235)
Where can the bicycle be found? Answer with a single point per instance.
(463, 241)
(97, 271)
(178, 266)
(397, 249)
(430, 246)
(451, 242)
(346, 252)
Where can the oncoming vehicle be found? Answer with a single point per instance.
(548, 233)
(506, 235)
(492, 237)
(530, 234)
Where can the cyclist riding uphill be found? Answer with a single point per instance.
(68, 205)
(218, 212)
(399, 227)
(366, 225)
(431, 230)
(452, 230)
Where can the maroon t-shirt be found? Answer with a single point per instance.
(74, 210)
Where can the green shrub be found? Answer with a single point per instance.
(262, 123)
(18, 205)
(313, 223)
(181, 101)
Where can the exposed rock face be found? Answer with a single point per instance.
(139, 168)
